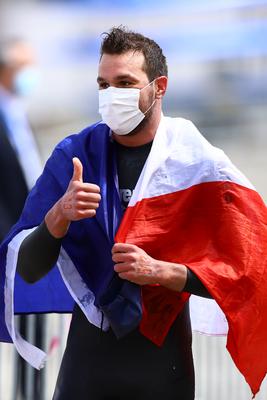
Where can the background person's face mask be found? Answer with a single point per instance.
(26, 80)
(119, 108)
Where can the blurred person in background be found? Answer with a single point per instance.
(20, 163)
(192, 225)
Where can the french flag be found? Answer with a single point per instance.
(192, 206)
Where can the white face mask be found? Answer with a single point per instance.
(119, 108)
(26, 80)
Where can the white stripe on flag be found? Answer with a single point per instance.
(30, 353)
(74, 283)
(80, 292)
(180, 158)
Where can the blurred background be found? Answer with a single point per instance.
(217, 58)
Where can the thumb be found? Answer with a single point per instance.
(77, 170)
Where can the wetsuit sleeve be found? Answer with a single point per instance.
(195, 286)
(38, 254)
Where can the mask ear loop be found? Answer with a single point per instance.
(149, 108)
(149, 83)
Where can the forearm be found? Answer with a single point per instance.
(170, 275)
(38, 254)
(179, 278)
(134, 264)
(55, 221)
(195, 286)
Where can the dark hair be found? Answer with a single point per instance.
(120, 40)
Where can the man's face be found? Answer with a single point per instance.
(126, 71)
(20, 56)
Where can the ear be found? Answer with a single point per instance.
(161, 86)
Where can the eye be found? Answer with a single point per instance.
(103, 85)
(125, 83)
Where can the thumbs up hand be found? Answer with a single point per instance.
(77, 170)
(80, 201)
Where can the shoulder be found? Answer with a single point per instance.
(184, 130)
(191, 148)
(76, 141)
(187, 137)
(90, 140)
(196, 152)
(79, 144)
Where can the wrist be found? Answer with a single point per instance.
(56, 223)
(171, 275)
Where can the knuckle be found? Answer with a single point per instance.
(79, 214)
(132, 256)
(79, 195)
(95, 197)
(117, 268)
(94, 188)
(75, 196)
(92, 213)
(115, 248)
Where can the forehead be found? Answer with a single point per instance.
(21, 54)
(112, 65)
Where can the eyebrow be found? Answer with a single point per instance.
(99, 79)
(119, 78)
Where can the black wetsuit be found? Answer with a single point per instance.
(98, 366)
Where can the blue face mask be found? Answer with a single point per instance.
(25, 81)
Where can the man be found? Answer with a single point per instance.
(136, 340)
(18, 171)
(20, 163)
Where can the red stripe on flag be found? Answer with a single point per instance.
(219, 230)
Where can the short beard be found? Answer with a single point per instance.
(143, 123)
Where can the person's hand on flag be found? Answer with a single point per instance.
(135, 265)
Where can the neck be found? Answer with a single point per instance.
(143, 135)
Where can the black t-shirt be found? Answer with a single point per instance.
(130, 162)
